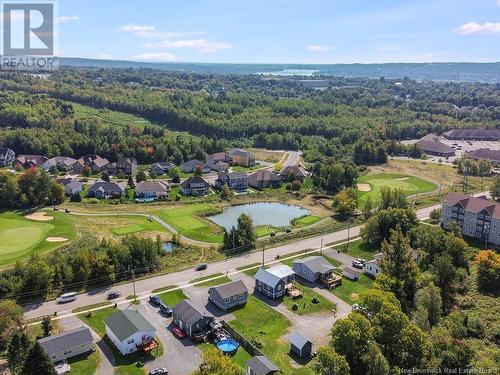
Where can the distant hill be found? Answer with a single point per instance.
(469, 72)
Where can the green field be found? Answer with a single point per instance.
(136, 225)
(350, 289)
(304, 305)
(21, 237)
(359, 249)
(410, 185)
(188, 221)
(306, 220)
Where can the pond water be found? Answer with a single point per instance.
(168, 247)
(273, 214)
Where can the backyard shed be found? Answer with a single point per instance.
(260, 365)
(300, 346)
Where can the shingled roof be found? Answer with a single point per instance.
(125, 323)
(473, 204)
(59, 343)
(486, 154)
(431, 146)
(230, 289)
(483, 134)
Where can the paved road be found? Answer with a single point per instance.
(145, 286)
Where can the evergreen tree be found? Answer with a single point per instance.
(46, 326)
(37, 362)
(18, 351)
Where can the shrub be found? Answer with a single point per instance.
(315, 301)
(256, 342)
(295, 307)
(93, 201)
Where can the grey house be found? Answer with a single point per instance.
(71, 186)
(273, 282)
(228, 295)
(260, 365)
(195, 186)
(104, 190)
(161, 168)
(300, 346)
(191, 318)
(191, 165)
(236, 181)
(67, 344)
(61, 163)
(127, 166)
(151, 189)
(313, 268)
(7, 156)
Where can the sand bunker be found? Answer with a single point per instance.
(40, 216)
(402, 178)
(56, 239)
(364, 187)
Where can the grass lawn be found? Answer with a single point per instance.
(241, 357)
(135, 224)
(84, 364)
(305, 305)
(266, 230)
(289, 262)
(188, 221)
(21, 237)
(89, 307)
(359, 249)
(97, 318)
(409, 184)
(304, 221)
(220, 280)
(250, 272)
(350, 289)
(258, 322)
(173, 298)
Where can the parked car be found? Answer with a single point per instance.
(179, 333)
(357, 264)
(56, 208)
(165, 309)
(155, 300)
(67, 210)
(113, 295)
(159, 371)
(288, 230)
(201, 267)
(362, 261)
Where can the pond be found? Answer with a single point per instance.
(264, 213)
(168, 247)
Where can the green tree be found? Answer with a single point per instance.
(392, 198)
(140, 176)
(488, 270)
(428, 307)
(86, 171)
(328, 362)
(175, 175)
(37, 362)
(379, 226)
(435, 214)
(367, 208)
(345, 203)
(216, 363)
(17, 352)
(46, 326)
(445, 275)
(246, 230)
(131, 182)
(105, 176)
(375, 362)
(226, 192)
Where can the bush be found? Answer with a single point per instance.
(315, 301)
(75, 198)
(295, 307)
(93, 200)
(256, 342)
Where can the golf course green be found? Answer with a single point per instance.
(369, 186)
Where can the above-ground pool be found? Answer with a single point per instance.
(228, 346)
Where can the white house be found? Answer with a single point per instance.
(372, 267)
(129, 330)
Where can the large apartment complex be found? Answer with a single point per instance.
(477, 217)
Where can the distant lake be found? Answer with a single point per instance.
(291, 72)
(273, 214)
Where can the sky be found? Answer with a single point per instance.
(281, 31)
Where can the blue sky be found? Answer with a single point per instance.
(281, 31)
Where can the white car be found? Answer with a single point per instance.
(362, 261)
(357, 264)
(159, 371)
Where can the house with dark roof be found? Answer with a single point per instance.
(190, 317)
(126, 166)
(234, 180)
(476, 217)
(264, 179)
(128, 330)
(228, 295)
(28, 161)
(431, 145)
(67, 344)
(485, 154)
(294, 172)
(260, 365)
(313, 268)
(105, 190)
(473, 134)
(273, 282)
(218, 166)
(195, 185)
(71, 186)
(161, 168)
(7, 156)
(151, 189)
(93, 161)
(242, 157)
(61, 163)
(300, 346)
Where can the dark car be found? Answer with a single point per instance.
(201, 267)
(67, 210)
(113, 295)
(288, 230)
(165, 309)
(155, 300)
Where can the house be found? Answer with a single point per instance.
(191, 318)
(192, 165)
(219, 166)
(242, 157)
(126, 166)
(7, 156)
(264, 179)
(228, 295)
(476, 217)
(273, 282)
(313, 268)
(128, 330)
(350, 273)
(61, 163)
(485, 154)
(151, 189)
(195, 186)
(372, 267)
(160, 168)
(300, 346)
(219, 157)
(297, 171)
(260, 365)
(28, 161)
(71, 186)
(95, 162)
(474, 134)
(234, 180)
(67, 344)
(103, 189)
(431, 145)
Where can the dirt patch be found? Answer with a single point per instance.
(56, 239)
(364, 187)
(402, 178)
(40, 216)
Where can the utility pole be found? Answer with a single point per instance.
(321, 247)
(348, 234)
(133, 285)
(440, 186)
(263, 252)
(233, 240)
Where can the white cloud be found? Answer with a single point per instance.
(135, 28)
(471, 28)
(200, 45)
(498, 3)
(147, 31)
(319, 48)
(155, 57)
(65, 19)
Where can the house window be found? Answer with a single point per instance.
(226, 300)
(131, 341)
(279, 287)
(240, 296)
